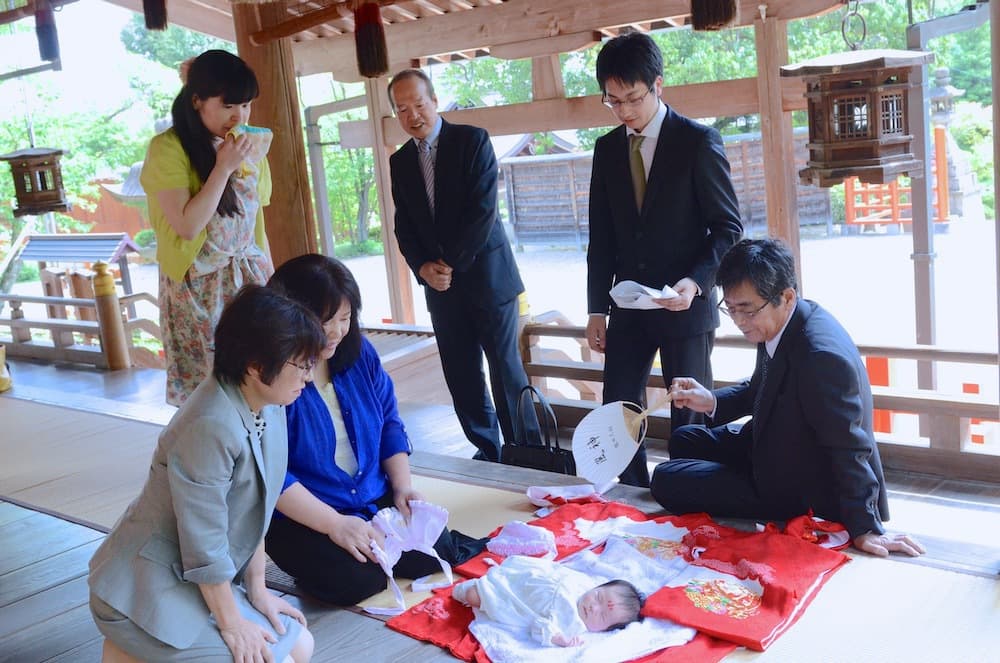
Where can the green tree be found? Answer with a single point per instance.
(168, 47)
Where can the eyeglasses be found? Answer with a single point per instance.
(629, 103)
(306, 368)
(744, 315)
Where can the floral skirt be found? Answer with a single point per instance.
(189, 311)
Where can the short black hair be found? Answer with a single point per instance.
(260, 328)
(410, 73)
(767, 264)
(322, 284)
(630, 58)
(630, 597)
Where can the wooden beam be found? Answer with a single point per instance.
(521, 21)
(721, 98)
(210, 18)
(306, 21)
(548, 46)
(291, 227)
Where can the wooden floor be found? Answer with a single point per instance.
(43, 612)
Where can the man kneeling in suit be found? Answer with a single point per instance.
(809, 442)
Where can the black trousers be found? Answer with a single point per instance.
(465, 332)
(633, 339)
(328, 572)
(710, 471)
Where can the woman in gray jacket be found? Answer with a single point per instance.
(181, 575)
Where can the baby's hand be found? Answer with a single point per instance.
(563, 641)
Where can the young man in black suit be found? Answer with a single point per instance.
(444, 186)
(661, 215)
(809, 444)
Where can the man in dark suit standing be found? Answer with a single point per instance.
(809, 443)
(662, 212)
(444, 186)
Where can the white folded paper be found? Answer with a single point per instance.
(630, 294)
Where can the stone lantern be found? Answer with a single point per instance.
(37, 180)
(859, 115)
(942, 97)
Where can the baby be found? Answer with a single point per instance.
(555, 603)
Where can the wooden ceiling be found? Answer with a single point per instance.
(423, 31)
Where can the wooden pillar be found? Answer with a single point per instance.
(291, 226)
(546, 78)
(771, 35)
(995, 68)
(397, 271)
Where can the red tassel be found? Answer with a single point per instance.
(155, 12)
(713, 14)
(369, 41)
(45, 31)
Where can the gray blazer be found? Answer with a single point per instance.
(200, 517)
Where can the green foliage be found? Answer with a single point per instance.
(168, 47)
(355, 249)
(350, 177)
(145, 237)
(28, 273)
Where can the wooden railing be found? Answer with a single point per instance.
(62, 344)
(944, 450)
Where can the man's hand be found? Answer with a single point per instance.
(881, 545)
(686, 290)
(355, 535)
(597, 332)
(436, 274)
(687, 392)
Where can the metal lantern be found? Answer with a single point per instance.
(37, 180)
(858, 115)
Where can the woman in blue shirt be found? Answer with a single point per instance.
(348, 453)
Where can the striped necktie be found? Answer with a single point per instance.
(427, 168)
(637, 168)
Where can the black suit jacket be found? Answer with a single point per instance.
(812, 435)
(465, 230)
(689, 219)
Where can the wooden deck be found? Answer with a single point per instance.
(43, 557)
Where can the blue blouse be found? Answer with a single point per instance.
(368, 405)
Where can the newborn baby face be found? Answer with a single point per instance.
(601, 608)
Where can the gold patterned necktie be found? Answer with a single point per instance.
(637, 167)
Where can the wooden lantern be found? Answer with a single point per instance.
(37, 180)
(858, 115)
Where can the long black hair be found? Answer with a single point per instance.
(214, 73)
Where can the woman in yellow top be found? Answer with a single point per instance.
(206, 211)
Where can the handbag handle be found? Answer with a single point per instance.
(548, 417)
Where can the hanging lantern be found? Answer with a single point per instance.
(37, 180)
(857, 101)
(858, 115)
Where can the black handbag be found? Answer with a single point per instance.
(548, 456)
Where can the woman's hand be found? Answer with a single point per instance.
(232, 153)
(401, 498)
(355, 535)
(248, 642)
(273, 606)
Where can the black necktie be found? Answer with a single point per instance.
(762, 371)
